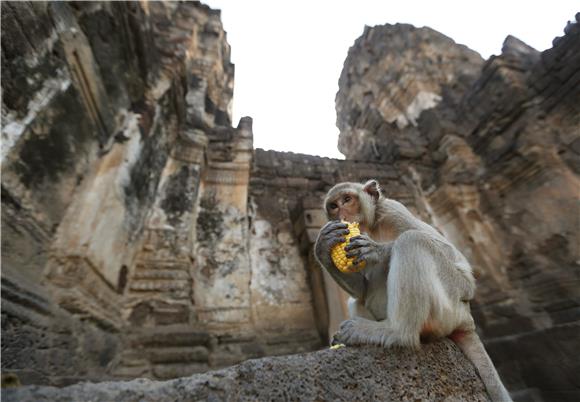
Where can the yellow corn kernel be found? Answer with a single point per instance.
(338, 254)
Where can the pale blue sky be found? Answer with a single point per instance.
(289, 54)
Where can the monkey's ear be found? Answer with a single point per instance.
(373, 189)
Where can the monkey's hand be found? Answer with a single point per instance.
(363, 248)
(331, 234)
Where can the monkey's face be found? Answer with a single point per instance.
(345, 207)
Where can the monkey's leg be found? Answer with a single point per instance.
(413, 290)
(358, 309)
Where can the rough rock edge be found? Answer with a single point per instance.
(438, 371)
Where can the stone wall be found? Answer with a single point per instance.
(143, 236)
(126, 235)
(490, 149)
(337, 375)
(286, 192)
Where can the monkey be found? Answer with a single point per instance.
(415, 285)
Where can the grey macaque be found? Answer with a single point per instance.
(415, 285)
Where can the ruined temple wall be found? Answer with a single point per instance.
(106, 113)
(132, 243)
(142, 231)
(57, 121)
(530, 187)
(286, 194)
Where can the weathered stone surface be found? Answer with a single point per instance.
(107, 115)
(125, 201)
(143, 236)
(392, 74)
(438, 372)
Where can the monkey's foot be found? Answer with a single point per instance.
(359, 331)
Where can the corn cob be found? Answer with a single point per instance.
(338, 254)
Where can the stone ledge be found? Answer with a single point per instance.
(439, 371)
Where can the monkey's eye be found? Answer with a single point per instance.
(332, 206)
(347, 198)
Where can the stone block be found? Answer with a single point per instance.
(178, 354)
(439, 371)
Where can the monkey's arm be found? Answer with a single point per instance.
(366, 249)
(330, 235)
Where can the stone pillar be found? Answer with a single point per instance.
(222, 268)
(159, 298)
(83, 69)
(160, 288)
(91, 246)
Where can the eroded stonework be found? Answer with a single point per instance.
(338, 375)
(125, 221)
(144, 236)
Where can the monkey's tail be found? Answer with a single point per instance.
(472, 347)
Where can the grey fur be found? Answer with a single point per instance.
(414, 278)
